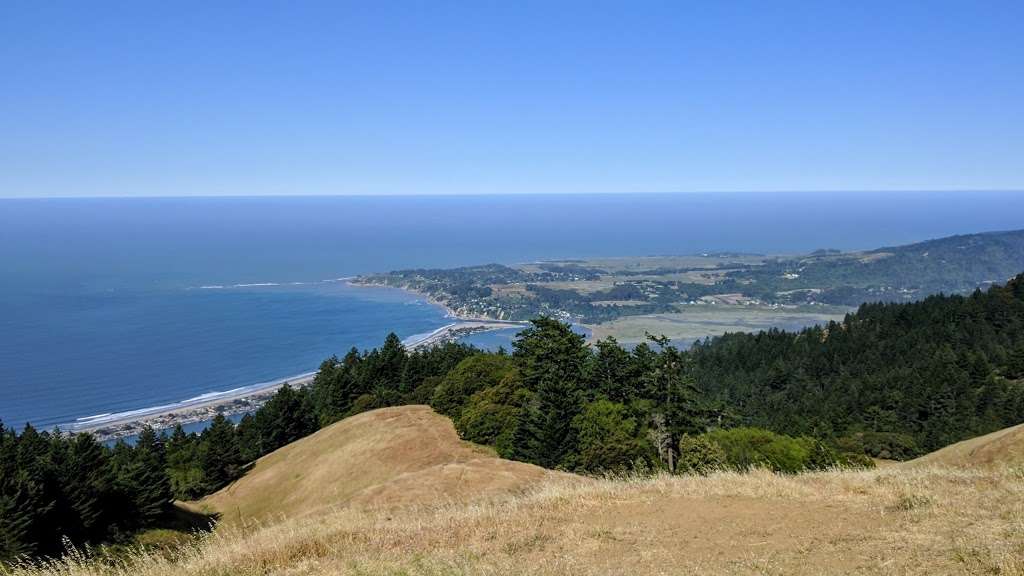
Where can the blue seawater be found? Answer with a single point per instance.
(109, 304)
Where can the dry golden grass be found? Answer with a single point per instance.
(894, 520)
(392, 456)
(889, 521)
(1001, 448)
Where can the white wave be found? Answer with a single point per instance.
(129, 415)
(93, 417)
(255, 284)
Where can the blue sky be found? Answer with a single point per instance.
(220, 98)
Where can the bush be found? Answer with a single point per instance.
(747, 448)
(470, 376)
(821, 457)
(364, 403)
(885, 445)
(700, 455)
(852, 460)
(607, 438)
(490, 415)
(423, 393)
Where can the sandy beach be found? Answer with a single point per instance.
(201, 408)
(249, 398)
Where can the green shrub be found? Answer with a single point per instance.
(700, 455)
(820, 456)
(490, 415)
(607, 438)
(886, 445)
(365, 403)
(853, 460)
(470, 376)
(748, 448)
(423, 393)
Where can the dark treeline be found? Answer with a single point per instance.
(54, 487)
(894, 380)
(891, 380)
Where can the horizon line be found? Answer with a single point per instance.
(508, 194)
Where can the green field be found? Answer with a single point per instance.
(702, 320)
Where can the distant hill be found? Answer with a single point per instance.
(595, 291)
(1001, 448)
(390, 456)
(955, 264)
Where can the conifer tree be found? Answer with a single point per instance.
(88, 485)
(551, 358)
(15, 512)
(220, 457)
(184, 470)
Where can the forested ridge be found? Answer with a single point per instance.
(891, 380)
(569, 289)
(895, 380)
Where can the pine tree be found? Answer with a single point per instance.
(152, 488)
(287, 417)
(250, 443)
(88, 483)
(611, 372)
(15, 519)
(1015, 368)
(525, 443)
(184, 471)
(141, 478)
(220, 457)
(15, 512)
(40, 489)
(551, 359)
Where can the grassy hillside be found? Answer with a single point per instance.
(395, 492)
(386, 457)
(1001, 448)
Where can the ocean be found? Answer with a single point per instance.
(109, 305)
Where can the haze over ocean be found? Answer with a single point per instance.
(116, 304)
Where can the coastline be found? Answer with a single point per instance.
(199, 409)
(249, 398)
(449, 311)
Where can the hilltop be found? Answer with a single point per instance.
(386, 457)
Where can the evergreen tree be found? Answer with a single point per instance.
(607, 437)
(611, 373)
(287, 417)
(551, 358)
(250, 443)
(15, 518)
(184, 469)
(40, 489)
(88, 487)
(220, 457)
(152, 488)
(16, 514)
(1015, 362)
(525, 443)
